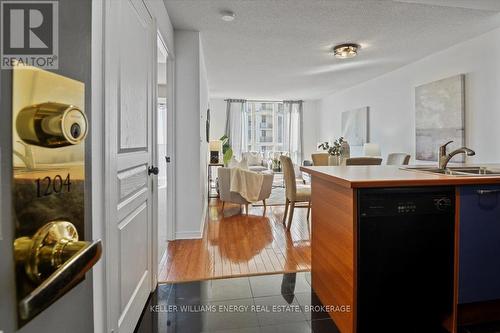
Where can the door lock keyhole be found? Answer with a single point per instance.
(75, 130)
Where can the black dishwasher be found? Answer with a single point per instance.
(405, 259)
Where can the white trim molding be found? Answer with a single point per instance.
(189, 234)
(98, 189)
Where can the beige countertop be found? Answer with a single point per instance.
(392, 176)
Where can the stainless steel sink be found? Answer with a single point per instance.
(467, 171)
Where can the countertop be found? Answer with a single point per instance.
(392, 176)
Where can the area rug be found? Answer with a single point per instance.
(277, 198)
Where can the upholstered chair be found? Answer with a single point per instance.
(224, 181)
(398, 159)
(320, 159)
(293, 194)
(363, 161)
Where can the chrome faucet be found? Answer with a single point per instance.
(444, 158)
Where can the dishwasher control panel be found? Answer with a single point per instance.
(398, 201)
(407, 207)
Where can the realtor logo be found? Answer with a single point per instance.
(30, 34)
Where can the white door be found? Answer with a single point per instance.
(161, 155)
(129, 59)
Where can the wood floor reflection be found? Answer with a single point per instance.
(235, 244)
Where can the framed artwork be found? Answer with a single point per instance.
(440, 117)
(355, 126)
(207, 125)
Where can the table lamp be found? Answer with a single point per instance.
(215, 147)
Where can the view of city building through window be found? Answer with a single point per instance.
(264, 126)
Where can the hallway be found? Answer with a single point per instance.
(240, 245)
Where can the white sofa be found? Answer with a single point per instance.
(255, 161)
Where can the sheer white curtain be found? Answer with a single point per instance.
(235, 125)
(293, 130)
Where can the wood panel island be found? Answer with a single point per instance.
(405, 251)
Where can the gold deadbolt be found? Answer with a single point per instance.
(52, 125)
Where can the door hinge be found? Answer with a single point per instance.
(167, 158)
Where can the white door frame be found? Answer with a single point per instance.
(97, 137)
(171, 184)
(154, 146)
(156, 159)
(171, 146)
(171, 134)
(170, 124)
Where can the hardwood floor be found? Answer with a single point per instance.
(240, 245)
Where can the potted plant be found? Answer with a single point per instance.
(227, 151)
(325, 145)
(276, 164)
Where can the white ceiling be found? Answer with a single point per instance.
(279, 49)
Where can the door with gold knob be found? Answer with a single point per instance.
(46, 245)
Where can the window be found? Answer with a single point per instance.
(264, 121)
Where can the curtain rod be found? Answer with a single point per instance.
(265, 100)
(261, 100)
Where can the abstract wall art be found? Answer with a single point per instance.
(355, 126)
(439, 117)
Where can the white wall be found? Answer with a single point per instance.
(217, 118)
(391, 99)
(204, 105)
(191, 101)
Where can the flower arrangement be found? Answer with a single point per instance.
(335, 149)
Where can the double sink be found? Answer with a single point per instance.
(464, 171)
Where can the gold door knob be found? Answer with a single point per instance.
(56, 261)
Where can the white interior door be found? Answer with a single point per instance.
(130, 53)
(161, 147)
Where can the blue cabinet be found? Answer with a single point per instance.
(479, 261)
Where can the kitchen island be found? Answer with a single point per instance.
(345, 236)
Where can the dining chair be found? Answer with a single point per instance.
(293, 194)
(320, 159)
(398, 159)
(363, 161)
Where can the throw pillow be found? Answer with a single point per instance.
(254, 158)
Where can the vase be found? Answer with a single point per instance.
(333, 160)
(345, 150)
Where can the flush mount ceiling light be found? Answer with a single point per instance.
(227, 15)
(345, 51)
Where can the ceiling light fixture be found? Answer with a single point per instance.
(345, 51)
(227, 15)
